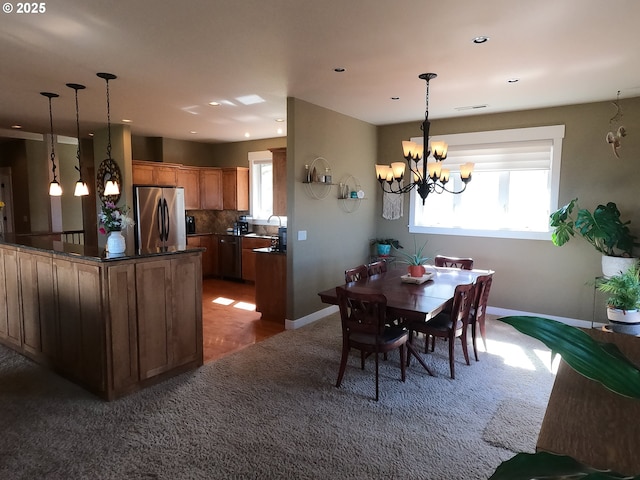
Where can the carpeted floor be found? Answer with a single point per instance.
(271, 411)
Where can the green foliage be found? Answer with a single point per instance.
(526, 466)
(603, 228)
(623, 289)
(416, 258)
(601, 362)
(386, 241)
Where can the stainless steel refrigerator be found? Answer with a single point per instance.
(160, 218)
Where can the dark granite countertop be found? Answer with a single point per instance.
(87, 252)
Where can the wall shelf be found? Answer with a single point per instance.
(349, 184)
(315, 188)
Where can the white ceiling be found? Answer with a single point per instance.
(172, 58)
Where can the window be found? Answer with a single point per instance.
(261, 185)
(514, 186)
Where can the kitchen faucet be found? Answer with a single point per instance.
(279, 220)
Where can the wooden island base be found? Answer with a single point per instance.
(113, 326)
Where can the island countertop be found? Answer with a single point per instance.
(47, 243)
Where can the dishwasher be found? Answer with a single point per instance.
(230, 256)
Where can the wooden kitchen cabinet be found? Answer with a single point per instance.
(235, 188)
(10, 307)
(154, 173)
(211, 189)
(189, 178)
(279, 162)
(249, 256)
(209, 256)
(271, 286)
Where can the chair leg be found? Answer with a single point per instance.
(362, 357)
(452, 367)
(473, 335)
(377, 376)
(465, 350)
(403, 368)
(409, 354)
(343, 365)
(483, 333)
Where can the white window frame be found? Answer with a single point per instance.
(555, 133)
(263, 156)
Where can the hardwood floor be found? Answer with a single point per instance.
(229, 319)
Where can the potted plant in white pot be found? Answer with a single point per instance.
(602, 228)
(415, 260)
(623, 304)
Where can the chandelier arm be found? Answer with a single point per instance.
(464, 187)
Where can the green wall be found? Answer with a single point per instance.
(536, 276)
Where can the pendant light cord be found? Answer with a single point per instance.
(108, 122)
(53, 151)
(78, 135)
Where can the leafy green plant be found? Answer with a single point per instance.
(417, 257)
(623, 289)
(600, 362)
(602, 228)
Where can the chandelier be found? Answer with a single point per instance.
(426, 177)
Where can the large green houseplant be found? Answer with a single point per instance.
(602, 228)
(603, 363)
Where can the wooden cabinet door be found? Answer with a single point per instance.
(165, 176)
(10, 322)
(121, 291)
(211, 188)
(279, 181)
(186, 324)
(142, 174)
(189, 178)
(207, 242)
(249, 256)
(154, 295)
(235, 188)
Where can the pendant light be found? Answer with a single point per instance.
(110, 180)
(54, 187)
(81, 187)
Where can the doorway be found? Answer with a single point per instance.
(229, 318)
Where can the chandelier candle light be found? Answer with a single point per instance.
(426, 177)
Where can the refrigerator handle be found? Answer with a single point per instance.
(167, 220)
(160, 217)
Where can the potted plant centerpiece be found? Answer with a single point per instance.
(415, 260)
(383, 245)
(602, 228)
(623, 304)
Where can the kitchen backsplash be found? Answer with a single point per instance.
(217, 221)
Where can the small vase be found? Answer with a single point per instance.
(416, 270)
(116, 243)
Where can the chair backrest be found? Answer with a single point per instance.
(479, 306)
(462, 300)
(465, 263)
(375, 268)
(356, 273)
(362, 312)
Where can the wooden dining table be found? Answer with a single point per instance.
(410, 301)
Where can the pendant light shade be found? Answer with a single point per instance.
(108, 174)
(54, 187)
(81, 187)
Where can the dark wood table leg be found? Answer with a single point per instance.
(412, 350)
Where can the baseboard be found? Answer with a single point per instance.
(306, 320)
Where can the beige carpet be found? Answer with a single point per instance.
(271, 411)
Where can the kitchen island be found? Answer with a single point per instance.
(112, 324)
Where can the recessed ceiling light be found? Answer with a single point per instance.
(395, 98)
(16, 127)
(193, 132)
(480, 39)
(339, 69)
(126, 120)
(513, 80)
(247, 135)
(279, 119)
(279, 131)
(214, 104)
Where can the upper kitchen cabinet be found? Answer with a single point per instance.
(235, 188)
(154, 173)
(189, 178)
(211, 189)
(279, 181)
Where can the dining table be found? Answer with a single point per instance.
(411, 301)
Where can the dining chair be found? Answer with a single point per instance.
(449, 325)
(465, 263)
(364, 327)
(376, 268)
(356, 273)
(478, 310)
